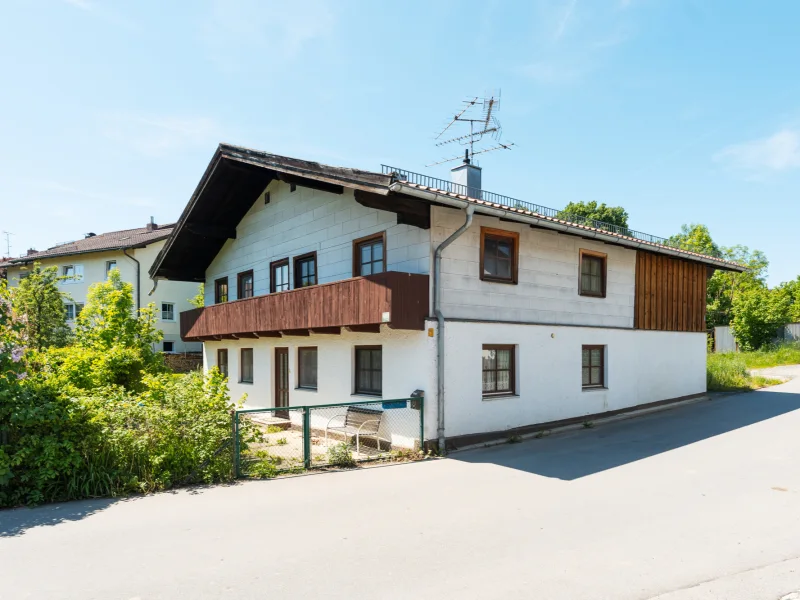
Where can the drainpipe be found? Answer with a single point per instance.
(138, 280)
(437, 309)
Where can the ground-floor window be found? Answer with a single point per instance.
(593, 359)
(369, 370)
(168, 346)
(307, 368)
(222, 361)
(246, 366)
(498, 369)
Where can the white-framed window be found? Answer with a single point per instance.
(73, 273)
(168, 346)
(72, 310)
(110, 265)
(167, 311)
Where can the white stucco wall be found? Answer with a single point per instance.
(307, 220)
(547, 291)
(641, 367)
(408, 360)
(94, 271)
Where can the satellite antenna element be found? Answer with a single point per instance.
(480, 113)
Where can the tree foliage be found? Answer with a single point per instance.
(695, 238)
(758, 313)
(199, 301)
(41, 304)
(615, 215)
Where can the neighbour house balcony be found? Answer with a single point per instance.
(399, 300)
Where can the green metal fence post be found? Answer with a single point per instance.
(422, 424)
(307, 437)
(236, 448)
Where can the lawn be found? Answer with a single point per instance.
(730, 371)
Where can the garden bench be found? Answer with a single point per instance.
(357, 421)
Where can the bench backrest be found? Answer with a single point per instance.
(356, 417)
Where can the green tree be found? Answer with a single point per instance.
(695, 238)
(758, 312)
(199, 301)
(724, 286)
(41, 303)
(615, 215)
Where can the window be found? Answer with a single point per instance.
(110, 265)
(307, 368)
(222, 361)
(73, 273)
(593, 366)
(221, 290)
(167, 311)
(499, 255)
(498, 370)
(369, 255)
(244, 289)
(279, 276)
(305, 270)
(78, 309)
(73, 310)
(246, 366)
(369, 370)
(168, 346)
(592, 279)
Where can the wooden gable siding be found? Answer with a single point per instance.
(397, 299)
(670, 293)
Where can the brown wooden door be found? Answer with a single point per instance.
(281, 381)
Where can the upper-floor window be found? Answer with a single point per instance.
(592, 279)
(167, 311)
(499, 255)
(305, 270)
(245, 285)
(72, 273)
(221, 290)
(369, 255)
(279, 275)
(110, 265)
(498, 370)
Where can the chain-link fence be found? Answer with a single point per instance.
(271, 441)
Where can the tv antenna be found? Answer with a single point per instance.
(8, 235)
(481, 114)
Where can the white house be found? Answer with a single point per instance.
(327, 284)
(131, 251)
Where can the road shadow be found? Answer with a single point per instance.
(16, 521)
(574, 455)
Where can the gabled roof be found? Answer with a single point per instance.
(113, 240)
(236, 176)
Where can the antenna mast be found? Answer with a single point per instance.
(8, 235)
(480, 114)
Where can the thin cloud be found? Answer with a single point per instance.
(778, 152)
(157, 136)
(562, 25)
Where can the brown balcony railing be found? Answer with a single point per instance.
(362, 303)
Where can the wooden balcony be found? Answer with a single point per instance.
(399, 300)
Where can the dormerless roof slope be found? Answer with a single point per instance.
(113, 240)
(236, 176)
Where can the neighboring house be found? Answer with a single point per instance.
(322, 286)
(131, 251)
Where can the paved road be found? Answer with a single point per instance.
(696, 503)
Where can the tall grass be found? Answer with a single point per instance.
(728, 372)
(787, 353)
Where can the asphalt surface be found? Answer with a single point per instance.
(694, 503)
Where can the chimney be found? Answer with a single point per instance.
(468, 176)
(31, 251)
(151, 226)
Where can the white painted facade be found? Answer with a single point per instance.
(93, 266)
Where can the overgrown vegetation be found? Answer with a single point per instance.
(729, 372)
(773, 355)
(101, 416)
(341, 455)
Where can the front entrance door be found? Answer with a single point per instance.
(281, 381)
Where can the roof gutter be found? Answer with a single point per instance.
(400, 188)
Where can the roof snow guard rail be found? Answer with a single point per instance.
(456, 188)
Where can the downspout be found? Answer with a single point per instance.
(138, 279)
(437, 309)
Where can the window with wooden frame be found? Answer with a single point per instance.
(305, 270)
(246, 366)
(499, 259)
(307, 368)
(221, 290)
(369, 254)
(222, 361)
(369, 370)
(592, 278)
(279, 276)
(499, 376)
(244, 285)
(593, 367)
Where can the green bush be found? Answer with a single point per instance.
(728, 372)
(341, 455)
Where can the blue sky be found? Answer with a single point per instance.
(679, 110)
